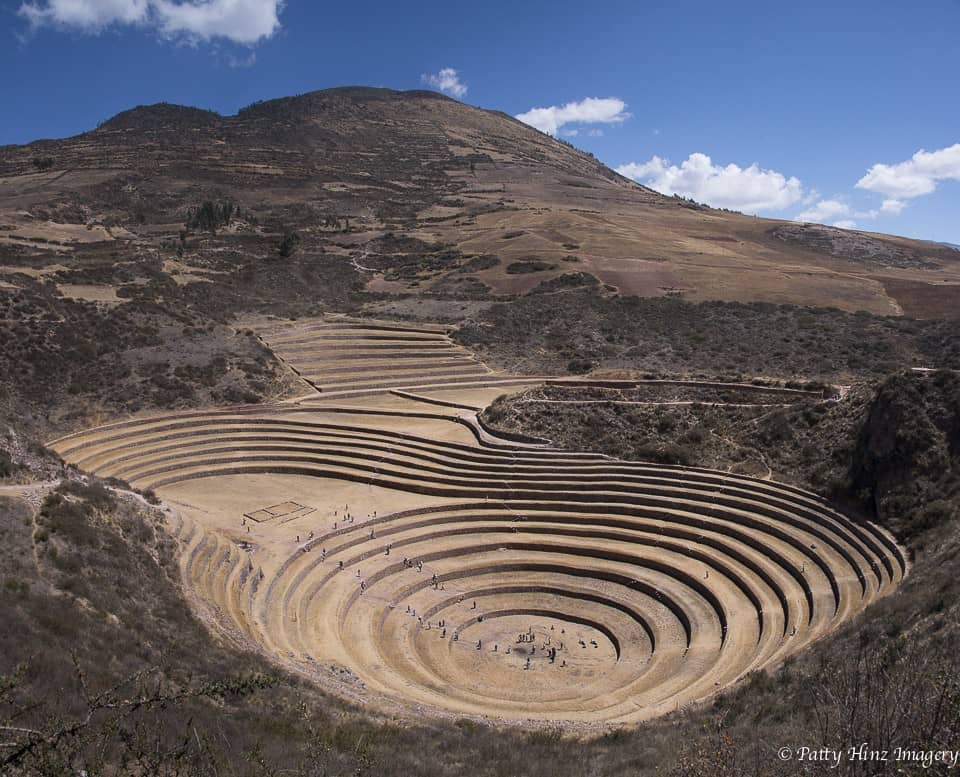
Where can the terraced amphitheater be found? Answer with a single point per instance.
(374, 536)
(347, 359)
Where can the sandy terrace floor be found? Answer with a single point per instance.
(376, 539)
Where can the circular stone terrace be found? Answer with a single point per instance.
(375, 537)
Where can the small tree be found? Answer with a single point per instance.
(211, 215)
(288, 245)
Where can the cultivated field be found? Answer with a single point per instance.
(374, 536)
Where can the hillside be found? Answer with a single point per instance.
(230, 327)
(124, 673)
(405, 192)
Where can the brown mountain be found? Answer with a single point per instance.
(411, 192)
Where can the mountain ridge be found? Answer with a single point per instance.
(346, 168)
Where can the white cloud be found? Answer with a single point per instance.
(246, 61)
(590, 110)
(240, 21)
(916, 176)
(893, 207)
(750, 189)
(87, 15)
(446, 80)
(824, 211)
(830, 211)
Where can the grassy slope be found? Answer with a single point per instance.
(432, 172)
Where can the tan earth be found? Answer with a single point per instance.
(373, 536)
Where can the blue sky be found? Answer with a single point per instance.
(844, 112)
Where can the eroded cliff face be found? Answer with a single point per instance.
(906, 464)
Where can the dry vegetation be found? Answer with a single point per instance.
(64, 362)
(125, 675)
(422, 213)
(541, 334)
(421, 190)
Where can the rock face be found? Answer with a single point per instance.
(907, 462)
(856, 246)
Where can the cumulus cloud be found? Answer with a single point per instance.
(824, 211)
(87, 15)
(915, 176)
(892, 207)
(241, 21)
(831, 211)
(447, 80)
(750, 189)
(591, 110)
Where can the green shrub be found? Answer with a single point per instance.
(528, 266)
(7, 465)
(288, 245)
(211, 215)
